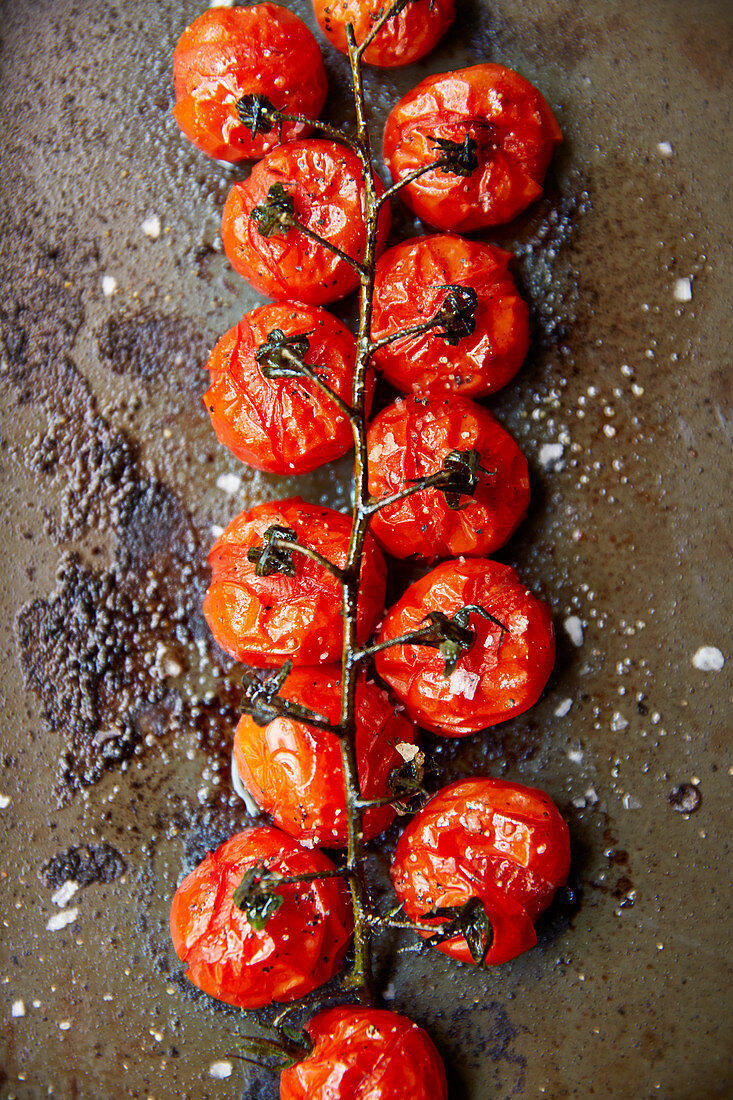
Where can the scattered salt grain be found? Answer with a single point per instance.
(618, 722)
(708, 658)
(550, 456)
(60, 920)
(407, 751)
(463, 683)
(17, 1009)
(109, 285)
(683, 290)
(664, 149)
(220, 1070)
(151, 227)
(229, 483)
(216, 530)
(563, 707)
(574, 630)
(65, 893)
(4, 801)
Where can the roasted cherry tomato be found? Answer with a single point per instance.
(366, 1053)
(294, 612)
(282, 425)
(294, 771)
(228, 53)
(503, 671)
(486, 337)
(500, 842)
(323, 183)
(298, 947)
(412, 439)
(403, 39)
(507, 133)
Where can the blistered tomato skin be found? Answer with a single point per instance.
(410, 289)
(282, 425)
(366, 1052)
(408, 441)
(228, 53)
(515, 134)
(324, 181)
(501, 842)
(263, 621)
(294, 771)
(301, 945)
(501, 675)
(404, 38)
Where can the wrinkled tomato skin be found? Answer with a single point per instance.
(230, 52)
(410, 289)
(301, 945)
(512, 125)
(404, 38)
(294, 771)
(326, 184)
(366, 1053)
(501, 842)
(282, 425)
(409, 440)
(501, 675)
(263, 621)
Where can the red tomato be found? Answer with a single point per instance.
(512, 126)
(409, 440)
(484, 838)
(262, 621)
(502, 674)
(294, 771)
(410, 288)
(301, 945)
(366, 1053)
(403, 39)
(282, 425)
(228, 53)
(324, 181)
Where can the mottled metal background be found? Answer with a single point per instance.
(117, 712)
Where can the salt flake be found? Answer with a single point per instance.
(65, 893)
(220, 1070)
(563, 707)
(109, 285)
(708, 658)
(683, 290)
(151, 227)
(17, 1009)
(574, 630)
(60, 920)
(463, 683)
(550, 456)
(229, 483)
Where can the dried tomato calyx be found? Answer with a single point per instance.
(274, 216)
(290, 1046)
(458, 477)
(457, 158)
(457, 315)
(272, 556)
(452, 637)
(257, 896)
(470, 921)
(258, 114)
(263, 703)
(283, 356)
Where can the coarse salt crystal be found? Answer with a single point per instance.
(550, 456)
(618, 722)
(64, 1025)
(575, 756)
(664, 149)
(229, 483)
(60, 920)
(574, 630)
(17, 1009)
(4, 801)
(109, 285)
(563, 707)
(708, 658)
(216, 530)
(683, 290)
(65, 893)
(463, 683)
(220, 1070)
(407, 751)
(151, 227)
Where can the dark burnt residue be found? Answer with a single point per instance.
(163, 349)
(84, 864)
(488, 1031)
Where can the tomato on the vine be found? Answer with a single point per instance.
(488, 344)
(227, 54)
(503, 843)
(296, 945)
(506, 134)
(403, 39)
(295, 610)
(410, 440)
(500, 674)
(320, 184)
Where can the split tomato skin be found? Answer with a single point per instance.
(324, 180)
(294, 770)
(263, 621)
(501, 842)
(501, 675)
(514, 130)
(366, 1052)
(409, 440)
(410, 288)
(228, 53)
(301, 945)
(405, 38)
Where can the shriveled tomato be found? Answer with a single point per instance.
(503, 671)
(298, 947)
(489, 337)
(322, 182)
(366, 1052)
(295, 613)
(410, 440)
(403, 39)
(294, 771)
(282, 425)
(228, 53)
(500, 842)
(511, 134)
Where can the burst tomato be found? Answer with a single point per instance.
(410, 288)
(229, 53)
(500, 675)
(263, 620)
(294, 771)
(408, 441)
(403, 39)
(500, 842)
(325, 184)
(366, 1052)
(514, 133)
(300, 946)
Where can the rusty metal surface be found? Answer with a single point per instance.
(117, 713)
